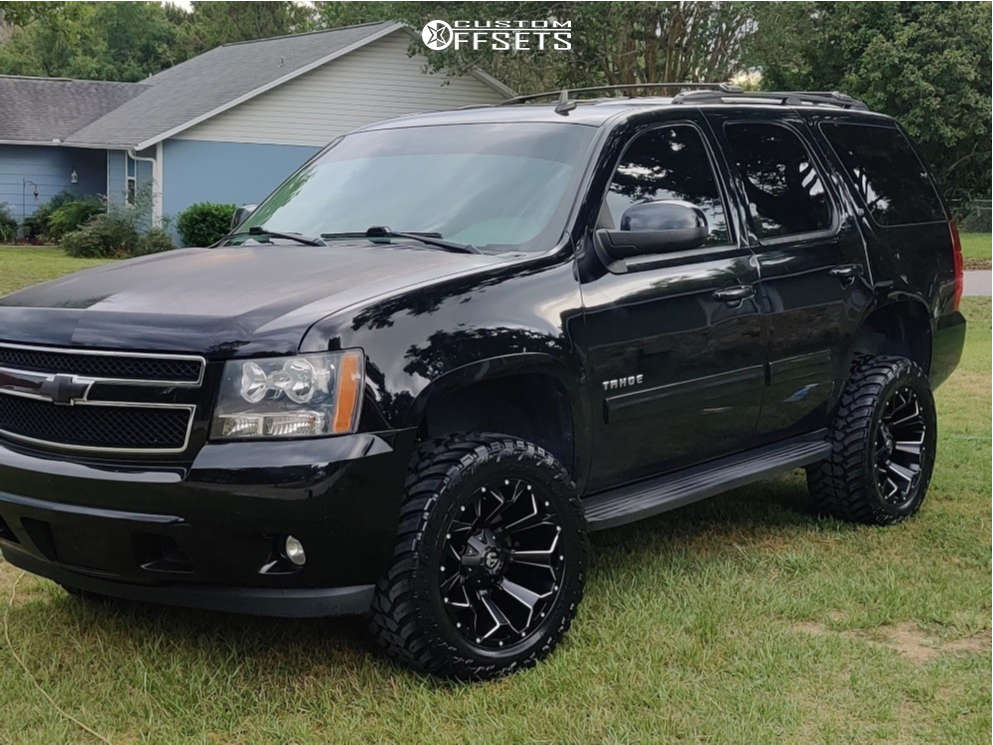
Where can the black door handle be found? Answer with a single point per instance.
(846, 273)
(734, 294)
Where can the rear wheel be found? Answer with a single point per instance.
(489, 562)
(883, 445)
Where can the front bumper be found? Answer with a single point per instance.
(208, 535)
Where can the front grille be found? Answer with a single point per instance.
(132, 427)
(96, 365)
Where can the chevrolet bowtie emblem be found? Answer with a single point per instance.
(60, 389)
(64, 390)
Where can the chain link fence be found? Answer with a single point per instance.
(973, 215)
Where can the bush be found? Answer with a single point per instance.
(118, 233)
(104, 236)
(204, 223)
(8, 225)
(69, 216)
(154, 241)
(36, 225)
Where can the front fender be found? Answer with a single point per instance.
(569, 379)
(423, 341)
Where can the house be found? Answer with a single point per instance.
(226, 126)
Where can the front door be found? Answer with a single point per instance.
(814, 279)
(673, 340)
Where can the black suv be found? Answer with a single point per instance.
(410, 381)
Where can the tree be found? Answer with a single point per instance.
(613, 43)
(927, 64)
(109, 41)
(213, 23)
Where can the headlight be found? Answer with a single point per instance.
(305, 396)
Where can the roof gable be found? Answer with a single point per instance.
(201, 87)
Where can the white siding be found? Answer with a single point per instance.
(378, 81)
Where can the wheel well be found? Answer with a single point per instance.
(902, 329)
(533, 407)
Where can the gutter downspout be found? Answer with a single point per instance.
(156, 185)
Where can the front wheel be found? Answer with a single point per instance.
(489, 563)
(883, 441)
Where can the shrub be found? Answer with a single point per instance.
(154, 241)
(118, 233)
(204, 223)
(8, 225)
(36, 225)
(104, 236)
(70, 216)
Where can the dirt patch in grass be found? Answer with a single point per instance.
(906, 638)
(978, 264)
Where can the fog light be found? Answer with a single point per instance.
(294, 551)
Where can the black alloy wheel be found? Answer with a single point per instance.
(489, 563)
(500, 565)
(900, 446)
(883, 444)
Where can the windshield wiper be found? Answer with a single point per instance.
(430, 239)
(259, 230)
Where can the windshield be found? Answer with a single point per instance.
(495, 187)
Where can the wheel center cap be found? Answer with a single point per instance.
(492, 560)
(483, 556)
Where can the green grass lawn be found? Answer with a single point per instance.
(737, 620)
(25, 265)
(977, 250)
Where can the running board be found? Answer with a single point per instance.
(626, 504)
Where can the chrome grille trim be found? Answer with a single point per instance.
(190, 408)
(75, 351)
(28, 377)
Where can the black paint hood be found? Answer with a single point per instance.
(254, 299)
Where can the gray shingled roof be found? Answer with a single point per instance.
(200, 85)
(46, 109)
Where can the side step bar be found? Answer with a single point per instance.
(626, 504)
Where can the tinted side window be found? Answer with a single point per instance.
(886, 172)
(785, 193)
(665, 164)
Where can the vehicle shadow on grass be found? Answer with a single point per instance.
(266, 651)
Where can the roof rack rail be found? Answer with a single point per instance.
(785, 98)
(568, 92)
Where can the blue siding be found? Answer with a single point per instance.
(239, 173)
(50, 168)
(117, 161)
(115, 176)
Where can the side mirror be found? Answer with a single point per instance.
(241, 214)
(653, 228)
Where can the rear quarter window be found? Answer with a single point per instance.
(887, 174)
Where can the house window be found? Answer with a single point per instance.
(130, 180)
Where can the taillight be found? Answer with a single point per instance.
(957, 259)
